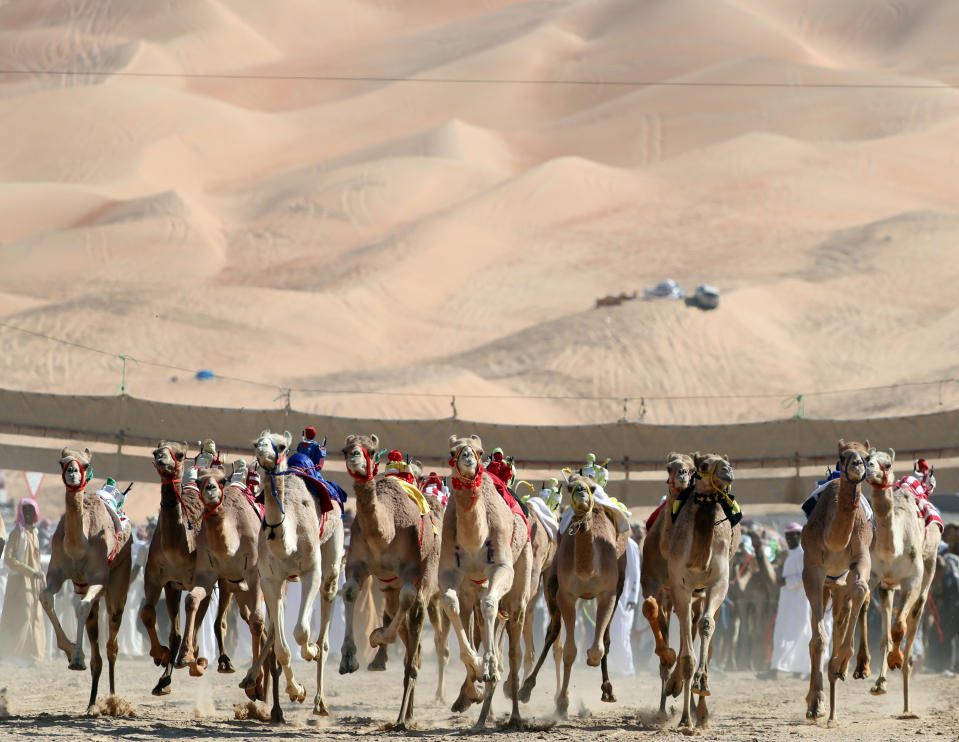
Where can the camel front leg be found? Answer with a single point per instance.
(813, 578)
(845, 612)
(500, 581)
(276, 606)
(912, 626)
(387, 634)
(411, 638)
(450, 602)
(195, 598)
(219, 628)
(96, 661)
(55, 580)
(441, 635)
(148, 617)
(327, 595)
(356, 574)
(863, 658)
(605, 606)
(684, 666)
(707, 630)
(567, 610)
(886, 596)
(550, 588)
(908, 597)
(84, 608)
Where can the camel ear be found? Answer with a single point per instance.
(698, 459)
(477, 444)
(726, 457)
(866, 443)
(287, 438)
(88, 453)
(419, 464)
(892, 456)
(63, 452)
(263, 434)
(841, 445)
(376, 441)
(453, 440)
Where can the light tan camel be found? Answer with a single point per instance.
(395, 538)
(226, 553)
(590, 564)
(485, 566)
(654, 570)
(836, 565)
(89, 551)
(299, 541)
(903, 554)
(171, 560)
(701, 546)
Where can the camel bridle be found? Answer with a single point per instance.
(84, 474)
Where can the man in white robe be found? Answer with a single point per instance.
(620, 629)
(793, 631)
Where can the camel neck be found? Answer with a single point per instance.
(472, 528)
(889, 532)
(847, 505)
(704, 524)
(375, 522)
(74, 536)
(274, 504)
(173, 520)
(584, 555)
(221, 532)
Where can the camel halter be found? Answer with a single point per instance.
(885, 476)
(583, 523)
(711, 480)
(671, 481)
(371, 468)
(84, 475)
(277, 460)
(207, 510)
(467, 484)
(175, 483)
(845, 473)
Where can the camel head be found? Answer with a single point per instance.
(580, 490)
(168, 458)
(75, 467)
(680, 468)
(360, 455)
(852, 460)
(211, 486)
(879, 468)
(714, 469)
(465, 456)
(271, 448)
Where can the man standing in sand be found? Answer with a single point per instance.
(23, 635)
(792, 632)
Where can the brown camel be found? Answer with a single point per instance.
(701, 546)
(395, 538)
(226, 553)
(654, 571)
(90, 551)
(171, 561)
(836, 564)
(485, 566)
(752, 600)
(299, 540)
(903, 554)
(590, 563)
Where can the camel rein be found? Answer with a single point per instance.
(277, 460)
(176, 483)
(583, 523)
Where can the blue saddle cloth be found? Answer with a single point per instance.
(810, 504)
(323, 489)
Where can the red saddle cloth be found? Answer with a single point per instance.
(652, 518)
(510, 500)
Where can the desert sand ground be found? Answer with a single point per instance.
(47, 703)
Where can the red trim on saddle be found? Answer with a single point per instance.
(389, 579)
(116, 548)
(406, 476)
(652, 517)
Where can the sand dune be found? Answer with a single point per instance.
(426, 199)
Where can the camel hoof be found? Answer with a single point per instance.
(668, 657)
(162, 687)
(895, 659)
(297, 693)
(378, 663)
(92, 711)
(77, 664)
(319, 708)
(879, 689)
(248, 681)
(198, 668)
(526, 690)
(594, 657)
(276, 716)
(349, 664)
(225, 665)
(310, 651)
(608, 696)
(376, 637)
(515, 723)
(162, 657)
